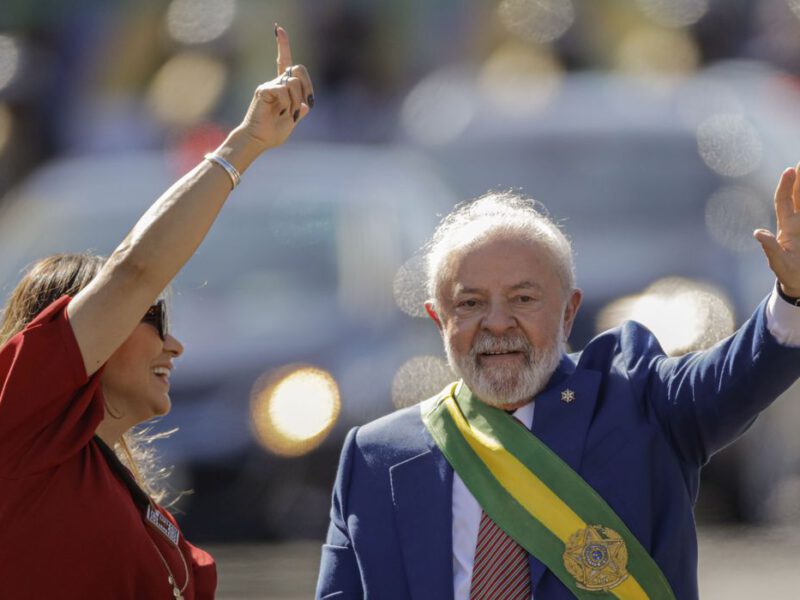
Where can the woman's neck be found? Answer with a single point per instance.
(110, 431)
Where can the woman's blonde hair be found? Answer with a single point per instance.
(44, 283)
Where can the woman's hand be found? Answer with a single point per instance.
(280, 104)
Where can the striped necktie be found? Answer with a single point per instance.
(500, 570)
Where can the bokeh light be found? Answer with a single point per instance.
(684, 315)
(9, 59)
(186, 88)
(294, 409)
(650, 51)
(733, 213)
(521, 79)
(410, 287)
(674, 13)
(6, 126)
(199, 21)
(729, 144)
(439, 108)
(419, 378)
(538, 21)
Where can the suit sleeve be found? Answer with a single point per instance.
(339, 575)
(705, 400)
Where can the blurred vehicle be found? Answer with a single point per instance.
(651, 178)
(289, 298)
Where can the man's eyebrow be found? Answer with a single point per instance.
(526, 284)
(467, 290)
(522, 285)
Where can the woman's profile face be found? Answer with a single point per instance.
(135, 378)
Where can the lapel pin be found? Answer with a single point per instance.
(567, 396)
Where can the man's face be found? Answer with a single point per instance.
(504, 318)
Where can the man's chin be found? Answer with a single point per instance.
(506, 404)
(500, 394)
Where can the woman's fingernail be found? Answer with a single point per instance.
(310, 101)
(276, 29)
(296, 115)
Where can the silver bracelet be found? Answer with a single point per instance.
(229, 168)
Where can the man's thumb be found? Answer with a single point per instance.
(768, 242)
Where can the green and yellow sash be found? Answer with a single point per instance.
(540, 501)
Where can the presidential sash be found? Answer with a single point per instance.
(540, 501)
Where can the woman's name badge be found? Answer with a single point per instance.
(163, 524)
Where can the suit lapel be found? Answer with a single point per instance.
(561, 420)
(422, 491)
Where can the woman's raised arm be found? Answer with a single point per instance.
(105, 313)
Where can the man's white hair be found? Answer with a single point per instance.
(496, 214)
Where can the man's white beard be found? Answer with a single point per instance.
(505, 386)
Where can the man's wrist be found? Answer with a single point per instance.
(789, 295)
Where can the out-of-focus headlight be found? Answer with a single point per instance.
(294, 408)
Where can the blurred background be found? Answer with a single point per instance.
(653, 130)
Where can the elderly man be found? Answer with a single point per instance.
(542, 474)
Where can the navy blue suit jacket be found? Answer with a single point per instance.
(640, 427)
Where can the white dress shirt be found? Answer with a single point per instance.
(783, 322)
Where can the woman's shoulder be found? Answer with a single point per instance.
(46, 401)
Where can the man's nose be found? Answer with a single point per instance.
(499, 318)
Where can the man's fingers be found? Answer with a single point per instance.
(784, 205)
(284, 51)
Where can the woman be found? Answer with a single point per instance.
(86, 355)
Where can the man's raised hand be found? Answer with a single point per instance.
(783, 248)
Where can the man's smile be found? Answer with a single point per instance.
(500, 357)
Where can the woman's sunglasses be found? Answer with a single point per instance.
(156, 316)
